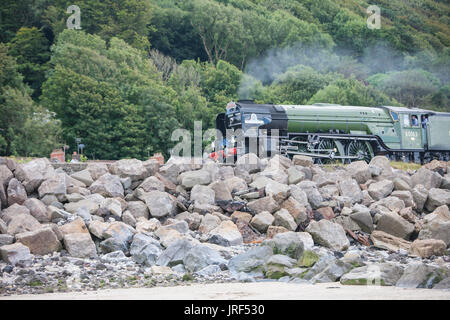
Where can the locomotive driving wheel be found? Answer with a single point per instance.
(327, 147)
(359, 149)
(301, 147)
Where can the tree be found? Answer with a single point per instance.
(409, 87)
(351, 92)
(26, 129)
(32, 52)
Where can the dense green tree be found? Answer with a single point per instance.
(351, 92)
(409, 87)
(25, 128)
(32, 51)
(112, 97)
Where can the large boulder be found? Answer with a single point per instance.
(32, 173)
(404, 195)
(14, 210)
(97, 170)
(328, 234)
(152, 183)
(22, 223)
(201, 256)
(359, 170)
(191, 178)
(83, 176)
(394, 224)
(175, 253)
(56, 185)
(277, 190)
(16, 253)
(285, 219)
(350, 188)
(436, 225)
(37, 209)
(132, 168)
(108, 185)
(226, 234)
(384, 164)
(5, 175)
(427, 178)
(75, 226)
(41, 241)
(160, 204)
(118, 237)
(248, 162)
(262, 221)
(427, 248)
(419, 275)
(221, 191)
(145, 250)
(208, 223)
(263, 204)
(236, 184)
(277, 265)
(436, 198)
(420, 196)
(80, 245)
(304, 161)
(202, 194)
(295, 209)
(16, 192)
(289, 243)
(332, 272)
(382, 274)
(310, 188)
(138, 209)
(251, 261)
(381, 189)
(389, 242)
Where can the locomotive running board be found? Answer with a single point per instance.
(315, 155)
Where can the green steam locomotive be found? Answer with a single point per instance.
(331, 132)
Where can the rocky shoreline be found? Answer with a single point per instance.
(141, 224)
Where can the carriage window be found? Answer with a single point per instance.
(394, 116)
(406, 122)
(414, 121)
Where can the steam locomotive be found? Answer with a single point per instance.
(332, 132)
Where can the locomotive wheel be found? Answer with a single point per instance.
(327, 144)
(359, 149)
(300, 146)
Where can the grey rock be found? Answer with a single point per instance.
(384, 274)
(323, 262)
(249, 162)
(37, 209)
(221, 191)
(80, 245)
(333, 272)
(263, 204)
(226, 234)
(208, 271)
(138, 209)
(175, 253)
(131, 168)
(262, 221)
(160, 204)
(83, 176)
(313, 194)
(16, 253)
(6, 239)
(41, 241)
(152, 183)
(33, 173)
(201, 256)
(22, 223)
(5, 175)
(303, 161)
(395, 225)
(145, 250)
(328, 234)
(381, 189)
(360, 171)
(287, 243)
(284, 218)
(250, 261)
(203, 194)
(108, 185)
(420, 195)
(97, 170)
(429, 179)
(437, 198)
(191, 178)
(16, 192)
(350, 188)
(419, 275)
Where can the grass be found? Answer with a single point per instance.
(405, 165)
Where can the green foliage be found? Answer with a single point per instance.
(26, 129)
(31, 49)
(111, 97)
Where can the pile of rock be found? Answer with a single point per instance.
(260, 218)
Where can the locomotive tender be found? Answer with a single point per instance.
(330, 132)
